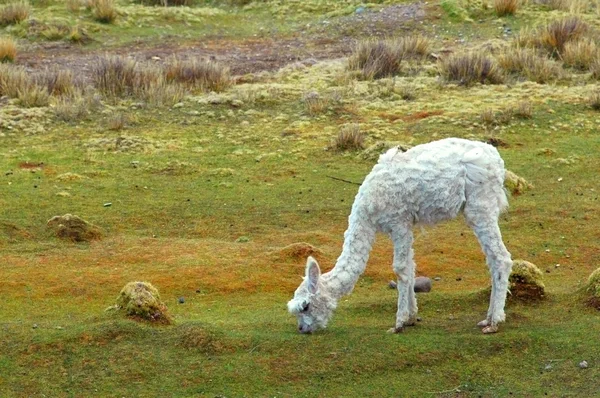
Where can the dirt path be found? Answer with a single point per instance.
(331, 39)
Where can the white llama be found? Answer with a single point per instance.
(425, 185)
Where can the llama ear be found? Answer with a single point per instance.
(313, 273)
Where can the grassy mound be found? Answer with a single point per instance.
(299, 250)
(515, 184)
(141, 300)
(525, 281)
(593, 289)
(74, 228)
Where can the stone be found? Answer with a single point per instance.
(583, 364)
(422, 284)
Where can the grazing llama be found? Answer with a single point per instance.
(425, 185)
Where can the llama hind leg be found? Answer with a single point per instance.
(404, 268)
(500, 264)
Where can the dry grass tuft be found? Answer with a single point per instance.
(297, 251)
(12, 79)
(199, 74)
(595, 68)
(529, 64)
(74, 228)
(350, 138)
(506, 7)
(554, 36)
(104, 11)
(14, 13)
(114, 76)
(57, 81)
(117, 121)
(33, 96)
(523, 110)
(580, 54)
(72, 107)
(467, 69)
(73, 5)
(592, 288)
(515, 184)
(166, 3)
(376, 59)
(141, 301)
(8, 50)
(315, 103)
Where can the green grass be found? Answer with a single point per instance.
(252, 162)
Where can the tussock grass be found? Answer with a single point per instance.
(315, 103)
(77, 34)
(8, 50)
(580, 54)
(529, 64)
(57, 81)
(467, 69)
(376, 59)
(14, 13)
(594, 101)
(33, 96)
(70, 108)
(117, 121)
(199, 74)
(12, 79)
(554, 36)
(350, 138)
(114, 76)
(595, 68)
(104, 11)
(523, 110)
(506, 7)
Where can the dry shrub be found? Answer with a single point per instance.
(57, 81)
(117, 121)
(199, 74)
(104, 11)
(8, 50)
(74, 228)
(529, 64)
(12, 79)
(350, 138)
(153, 88)
(315, 103)
(580, 54)
(384, 58)
(114, 76)
(594, 101)
(554, 36)
(523, 110)
(506, 7)
(14, 13)
(469, 68)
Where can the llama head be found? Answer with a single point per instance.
(312, 303)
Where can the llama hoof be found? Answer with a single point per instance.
(483, 323)
(396, 330)
(490, 329)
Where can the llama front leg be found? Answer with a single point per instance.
(404, 268)
(500, 264)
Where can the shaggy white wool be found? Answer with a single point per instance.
(425, 185)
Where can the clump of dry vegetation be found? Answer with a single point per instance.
(529, 64)
(33, 96)
(515, 184)
(595, 101)
(595, 68)
(57, 81)
(8, 50)
(580, 54)
(117, 121)
(12, 79)
(74, 228)
(166, 3)
(315, 103)
(593, 289)
(350, 138)
(141, 301)
(104, 11)
(14, 13)
(114, 76)
(553, 37)
(526, 281)
(506, 7)
(523, 110)
(199, 74)
(72, 107)
(376, 59)
(467, 69)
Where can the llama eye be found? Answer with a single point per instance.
(305, 308)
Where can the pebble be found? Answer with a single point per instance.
(583, 364)
(437, 278)
(108, 204)
(181, 300)
(422, 284)
(35, 326)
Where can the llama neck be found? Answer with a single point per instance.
(358, 240)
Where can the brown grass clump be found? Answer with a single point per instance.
(350, 138)
(33, 96)
(141, 301)
(197, 73)
(593, 289)
(557, 34)
(14, 13)
(56, 81)
(526, 281)
(523, 110)
(376, 59)
(114, 76)
(506, 7)
(13, 79)
(299, 250)
(8, 50)
(315, 103)
(117, 121)
(516, 185)
(467, 69)
(104, 11)
(529, 64)
(74, 228)
(580, 54)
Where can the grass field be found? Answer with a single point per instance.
(202, 192)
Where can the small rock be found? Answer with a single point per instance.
(422, 284)
(59, 328)
(437, 278)
(181, 300)
(583, 364)
(198, 291)
(107, 204)
(35, 326)
(178, 105)
(419, 319)
(392, 285)
(548, 367)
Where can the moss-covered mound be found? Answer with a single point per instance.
(515, 184)
(593, 289)
(141, 300)
(297, 250)
(74, 228)
(525, 281)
